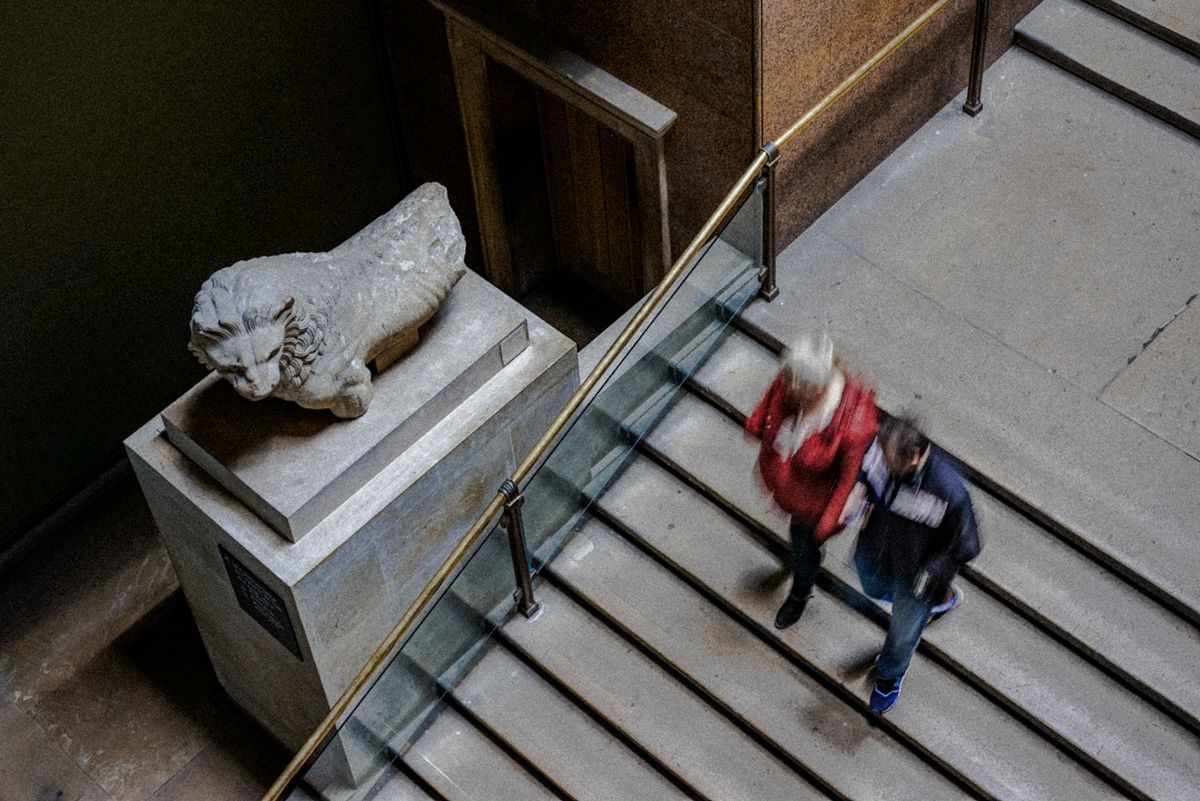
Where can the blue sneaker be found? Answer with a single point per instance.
(952, 601)
(884, 694)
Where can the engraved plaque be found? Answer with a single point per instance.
(261, 602)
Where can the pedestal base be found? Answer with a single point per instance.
(287, 625)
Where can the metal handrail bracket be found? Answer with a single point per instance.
(514, 526)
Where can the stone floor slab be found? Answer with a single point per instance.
(1061, 221)
(32, 766)
(1161, 388)
(242, 764)
(78, 592)
(139, 711)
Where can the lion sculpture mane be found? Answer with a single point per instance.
(304, 326)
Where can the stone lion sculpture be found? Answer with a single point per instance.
(304, 326)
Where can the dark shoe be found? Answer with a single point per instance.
(884, 694)
(791, 611)
(953, 599)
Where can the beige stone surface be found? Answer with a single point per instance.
(105, 688)
(242, 765)
(1179, 20)
(69, 601)
(1161, 387)
(1060, 223)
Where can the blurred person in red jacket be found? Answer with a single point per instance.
(815, 423)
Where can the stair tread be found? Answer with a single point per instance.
(1177, 21)
(1078, 597)
(1131, 63)
(395, 786)
(745, 675)
(463, 765)
(1095, 608)
(943, 717)
(551, 732)
(1038, 675)
(637, 697)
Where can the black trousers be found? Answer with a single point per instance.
(806, 559)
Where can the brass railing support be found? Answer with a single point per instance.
(768, 290)
(513, 501)
(974, 102)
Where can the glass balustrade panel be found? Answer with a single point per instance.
(396, 731)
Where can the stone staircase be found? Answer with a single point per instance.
(653, 670)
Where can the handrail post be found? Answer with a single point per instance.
(974, 102)
(768, 289)
(513, 501)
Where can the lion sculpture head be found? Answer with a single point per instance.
(254, 348)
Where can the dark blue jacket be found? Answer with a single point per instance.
(923, 524)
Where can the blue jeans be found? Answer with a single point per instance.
(909, 616)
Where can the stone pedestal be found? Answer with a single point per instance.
(300, 539)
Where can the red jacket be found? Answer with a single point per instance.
(813, 485)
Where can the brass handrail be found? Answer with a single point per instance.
(467, 544)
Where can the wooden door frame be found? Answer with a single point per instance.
(476, 34)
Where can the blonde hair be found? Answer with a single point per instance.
(809, 362)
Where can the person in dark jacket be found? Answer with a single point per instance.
(919, 530)
(815, 423)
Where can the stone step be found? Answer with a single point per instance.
(395, 785)
(462, 764)
(535, 721)
(1096, 612)
(1050, 686)
(735, 670)
(695, 742)
(940, 717)
(1066, 592)
(1174, 21)
(1142, 69)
